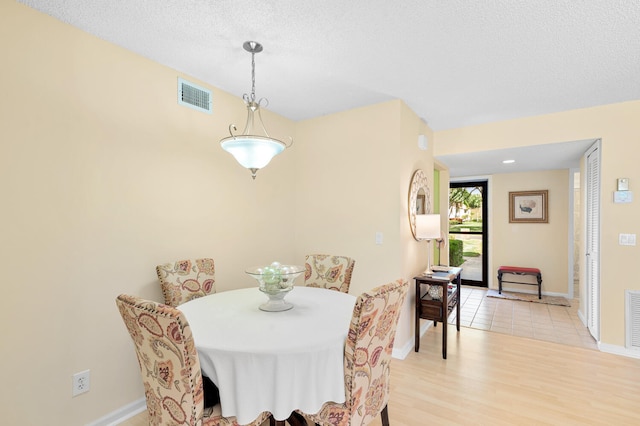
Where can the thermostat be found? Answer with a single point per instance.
(622, 196)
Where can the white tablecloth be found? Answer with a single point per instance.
(272, 361)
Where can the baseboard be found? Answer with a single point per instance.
(121, 414)
(619, 350)
(612, 349)
(401, 353)
(535, 291)
(582, 318)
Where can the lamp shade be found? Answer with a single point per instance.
(252, 152)
(427, 226)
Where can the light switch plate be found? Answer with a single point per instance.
(627, 239)
(623, 184)
(379, 238)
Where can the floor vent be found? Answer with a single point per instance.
(632, 318)
(194, 96)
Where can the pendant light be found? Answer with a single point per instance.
(251, 150)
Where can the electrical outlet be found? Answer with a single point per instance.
(81, 383)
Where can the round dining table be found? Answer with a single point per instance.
(272, 361)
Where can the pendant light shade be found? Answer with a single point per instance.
(252, 151)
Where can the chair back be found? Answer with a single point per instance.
(168, 361)
(368, 349)
(185, 280)
(327, 271)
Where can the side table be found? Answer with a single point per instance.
(436, 296)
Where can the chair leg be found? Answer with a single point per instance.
(274, 422)
(385, 416)
(297, 419)
(294, 420)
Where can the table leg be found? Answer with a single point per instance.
(445, 318)
(444, 340)
(417, 313)
(539, 278)
(459, 282)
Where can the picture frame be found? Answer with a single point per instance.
(529, 206)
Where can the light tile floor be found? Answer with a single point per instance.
(559, 324)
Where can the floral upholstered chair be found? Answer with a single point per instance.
(367, 355)
(326, 271)
(185, 280)
(169, 365)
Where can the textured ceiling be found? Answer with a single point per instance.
(454, 62)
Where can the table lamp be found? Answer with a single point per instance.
(427, 229)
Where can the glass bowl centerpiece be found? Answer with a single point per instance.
(276, 280)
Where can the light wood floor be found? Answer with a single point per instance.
(493, 379)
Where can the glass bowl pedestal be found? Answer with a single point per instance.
(276, 281)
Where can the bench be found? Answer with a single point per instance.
(517, 270)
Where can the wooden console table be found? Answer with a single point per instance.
(436, 296)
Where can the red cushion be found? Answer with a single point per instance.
(518, 269)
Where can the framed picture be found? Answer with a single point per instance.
(528, 207)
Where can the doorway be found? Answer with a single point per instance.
(468, 231)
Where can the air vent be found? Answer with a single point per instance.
(194, 96)
(632, 319)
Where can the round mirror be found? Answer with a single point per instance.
(419, 198)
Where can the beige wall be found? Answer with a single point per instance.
(618, 127)
(104, 176)
(535, 245)
(413, 253)
(444, 210)
(345, 187)
(353, 174)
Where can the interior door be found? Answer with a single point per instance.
(593, 239)
(468, 220)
